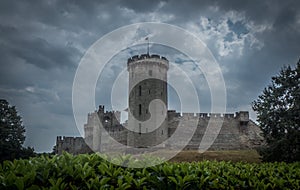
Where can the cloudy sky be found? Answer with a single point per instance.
(42, 43)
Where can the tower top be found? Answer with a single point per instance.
(148, 59)
(146, 56)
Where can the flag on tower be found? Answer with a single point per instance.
(147, 38)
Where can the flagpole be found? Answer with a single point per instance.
(148, 46)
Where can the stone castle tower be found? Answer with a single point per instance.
(150, 122)
(110, 121)
(148, 99)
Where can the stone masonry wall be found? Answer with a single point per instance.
(237, 132)
(73, 145)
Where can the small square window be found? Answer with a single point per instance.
(150, 72)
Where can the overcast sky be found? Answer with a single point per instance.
(42, 43)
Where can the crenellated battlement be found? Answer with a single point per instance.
(67, 139)
(146, 56)
(112, 118)
(74, 145)
(241, 115)
(148, 59)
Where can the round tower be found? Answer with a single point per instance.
(148, 100)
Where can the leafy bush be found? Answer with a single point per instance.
(93, 172)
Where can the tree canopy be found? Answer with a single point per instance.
(278, 113)
(12, 133)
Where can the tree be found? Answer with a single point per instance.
(278, 113)
(12, 133)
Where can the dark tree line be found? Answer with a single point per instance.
(278, 110)
(12, 134)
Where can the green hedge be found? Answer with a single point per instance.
(92, 172)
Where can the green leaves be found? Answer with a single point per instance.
(12, 134)
(278, 113)
(93, 172)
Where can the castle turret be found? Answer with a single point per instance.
(243, 117)
(92, 133)
(101, 109)
(147, 116)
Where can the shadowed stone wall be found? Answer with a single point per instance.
(237, 132)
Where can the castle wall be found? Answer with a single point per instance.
(237, 132)
(73, 145)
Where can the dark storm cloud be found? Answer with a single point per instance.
(141, 6)
(41, 45)
(37, 51)
(42, 42)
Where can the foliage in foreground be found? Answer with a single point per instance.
(278, 113)
(92, 172)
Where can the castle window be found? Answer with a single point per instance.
(140, 109)
(106, 119)
(149, 91)
(146, 110)
(132, 74)
(140, 128)
(140, 90)
(150, 72)
(162, 132)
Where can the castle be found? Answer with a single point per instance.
(150, 123)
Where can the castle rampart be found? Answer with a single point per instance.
(237, 131)
(73, 145)
(148, 82)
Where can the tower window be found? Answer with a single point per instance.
(146, 110)
(162, 132)
(140, 109)
(140, 90)
(150, 72)
(140, 128)
(149, 91)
